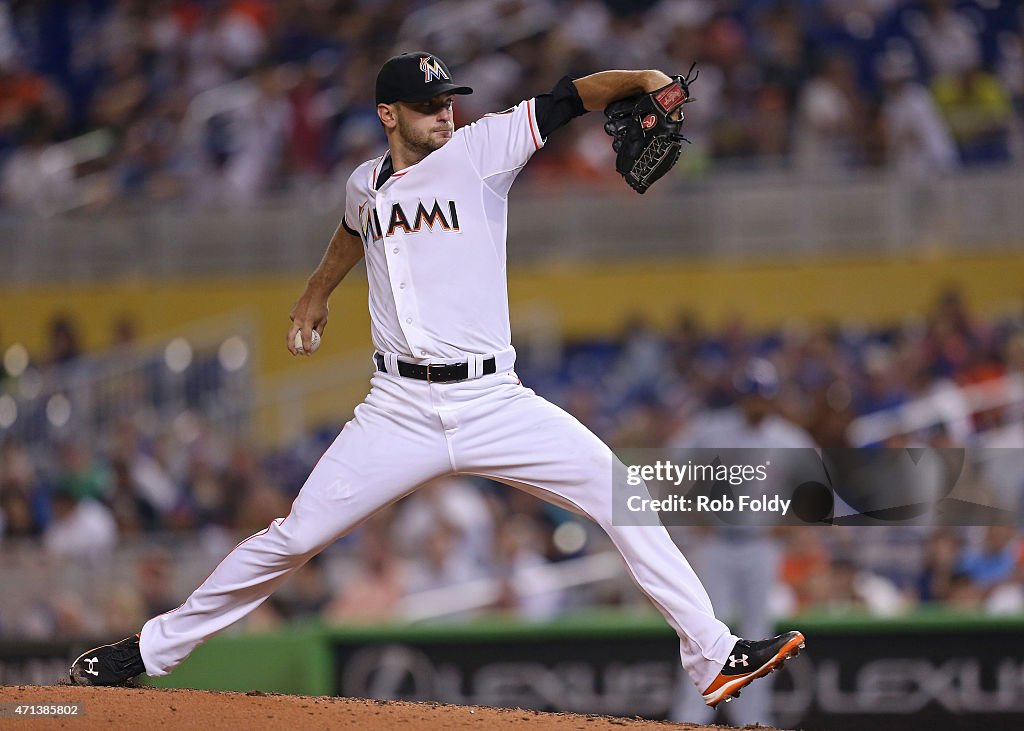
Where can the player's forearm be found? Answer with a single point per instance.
(343, 253)
(599, 90)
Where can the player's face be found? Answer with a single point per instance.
(426, 126)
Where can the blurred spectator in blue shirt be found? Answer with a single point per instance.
(993, 562)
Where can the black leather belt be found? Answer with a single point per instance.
(434, 372)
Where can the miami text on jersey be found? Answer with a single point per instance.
(370, 229)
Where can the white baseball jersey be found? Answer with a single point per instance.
(435, 242)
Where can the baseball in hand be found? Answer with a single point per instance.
(314, 342)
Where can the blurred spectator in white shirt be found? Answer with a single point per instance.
(859, 590)
(918, 142)
(80, 530)
(949, 40)
(440, 564)
(1010, 69)
(526, 589)
(38, 176)
(828, 119)
(584, 27)
(247, 128)
(455, 501)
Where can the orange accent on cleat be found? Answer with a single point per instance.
(726, 687)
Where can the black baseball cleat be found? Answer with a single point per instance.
(749, 660)
(114, 664)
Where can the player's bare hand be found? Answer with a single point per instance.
(308, 314)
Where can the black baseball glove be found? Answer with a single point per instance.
(645, 131)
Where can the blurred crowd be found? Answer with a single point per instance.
(166, 491)
(225, 102)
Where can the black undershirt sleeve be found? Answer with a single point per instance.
(556, 108)
(344, 224)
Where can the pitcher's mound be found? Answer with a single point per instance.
(153, 709)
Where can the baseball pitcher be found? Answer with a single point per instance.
(429, 216)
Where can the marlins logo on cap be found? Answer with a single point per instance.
(415, 76)
(432, 69)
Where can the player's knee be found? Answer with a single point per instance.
(300, 542)
(306, 545)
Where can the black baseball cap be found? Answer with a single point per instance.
(414, 77)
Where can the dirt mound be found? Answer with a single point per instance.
(152, 708)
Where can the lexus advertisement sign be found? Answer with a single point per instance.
(916, 680)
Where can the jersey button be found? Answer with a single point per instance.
(402, 285)
(395, 250)
(408, 320)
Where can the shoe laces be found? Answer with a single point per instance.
(128, 657)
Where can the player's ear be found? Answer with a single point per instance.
(387, 113)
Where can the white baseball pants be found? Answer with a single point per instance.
(408, 432)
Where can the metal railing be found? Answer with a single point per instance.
(37, 583)
(205, 370)
(541, 579)
(47, 583)
(781, 216)
(62, 161)
(948, 406)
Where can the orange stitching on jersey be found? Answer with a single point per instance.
(529, 114)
